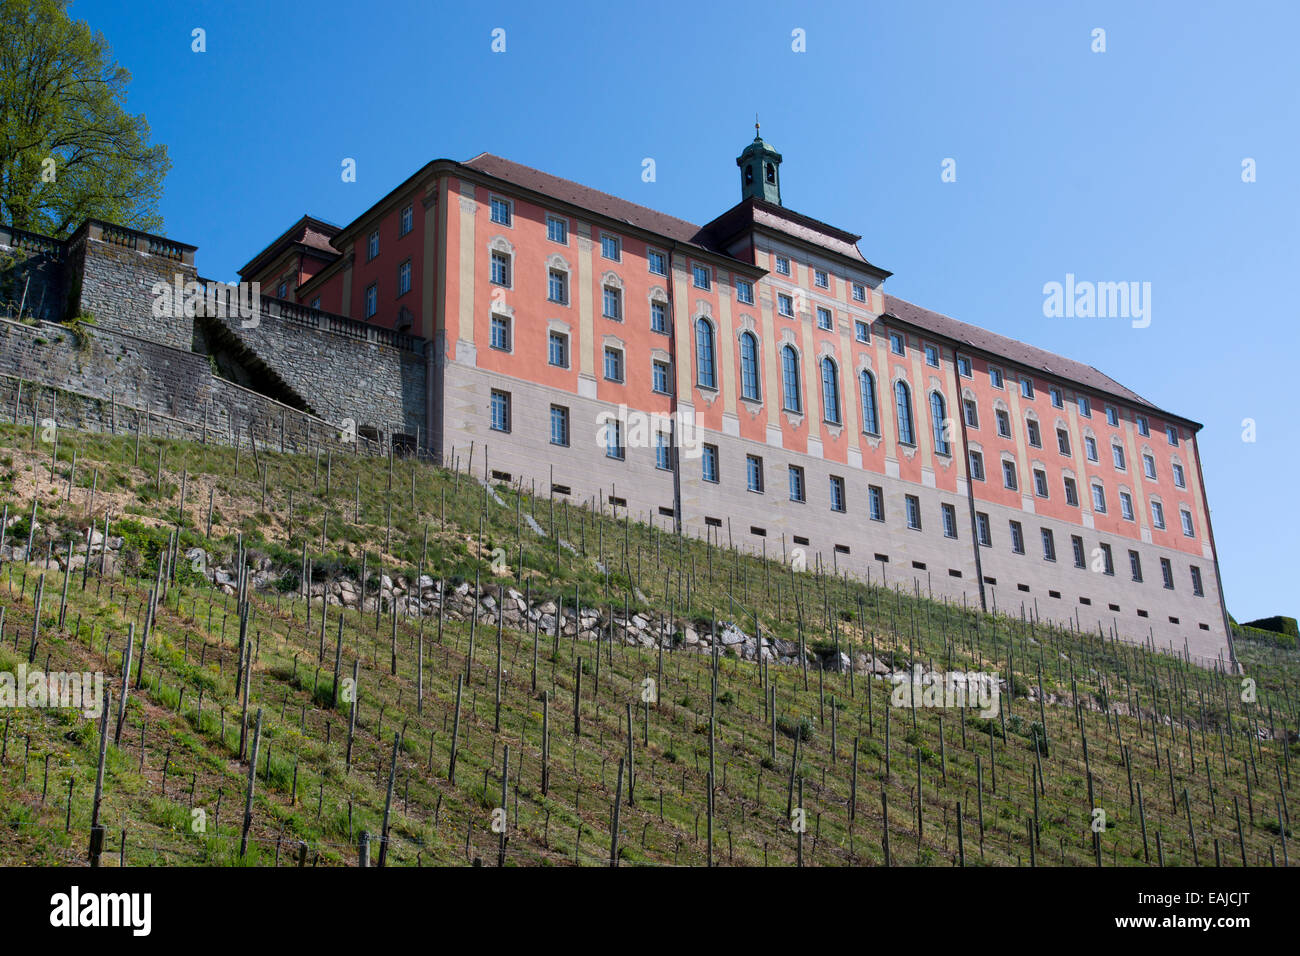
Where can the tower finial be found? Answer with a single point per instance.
(756, 136)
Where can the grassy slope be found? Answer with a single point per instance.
(435, 821)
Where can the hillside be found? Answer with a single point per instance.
(657, 671)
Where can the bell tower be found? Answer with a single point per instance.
(760, 171)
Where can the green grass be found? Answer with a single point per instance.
(194, 648)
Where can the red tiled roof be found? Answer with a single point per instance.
(1028, 357)
(308, 231)
(585, 197)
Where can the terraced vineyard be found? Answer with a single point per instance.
(496, 725)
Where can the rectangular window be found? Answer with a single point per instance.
(1090, 447)
(407, 220)
(744, 292)
(1117, 453)
(964, 367)
(1167, 573)
(972, 412)
(1017, 537)
(557, 349)
(611, 247)
(501, 211)
(1063, 441)
(1058, 400)
(557, 230)
(559, 425)
(820, 279)
(1085, 406)
(614, 447)
(949, 520)
(1135, 565)
(613, 364)
(913, 512)
(372, 300)
(1144, 429)
(782, 266)
(501, 333)
(796, 483)
(1186, 517)
(663, 452)
(1040, 483)
(1076, 542)
(861, 331)
(824, 320)
(1009, 475)
(932, 356)
(1049, 545)
(557, 287)
(1112, 416)
(1198, 588)
(659, 374)
(1171, 432)
(897, 345)
(1099, 499)
(837, 493)
(784, 304)
(658, 262)
(1180, 481)
(1027, 387)
(754, 473)
(659, 317)
(702, 276)
(876, 503)
(372, 245)
(1035, 437)
(1148, 466)
(1158, 515)
(1126, 506)
(500, 269)
(1108, 559)
(1004, 422)
(995, 376)
(859, 292)
(404, 278)
(985, 532)
(1071, 492)
(977, 466)
(709, 462)
(500, 411)
(613, 304)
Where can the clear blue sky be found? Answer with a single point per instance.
(1115, 166)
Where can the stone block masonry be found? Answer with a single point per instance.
(110, 381)
(377, 381)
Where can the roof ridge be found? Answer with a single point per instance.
(591, 189)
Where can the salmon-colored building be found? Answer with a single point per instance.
(751, 379)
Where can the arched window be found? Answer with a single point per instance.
(749, 366)
(937, 417)
(790, 379)
(704, 365)
(830, 390)
(903, 403)
(870, 417)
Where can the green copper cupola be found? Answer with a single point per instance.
(760, 171)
